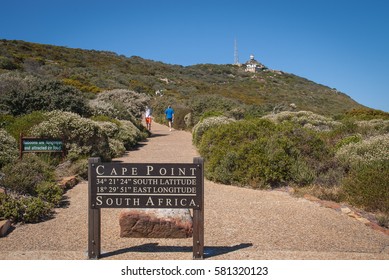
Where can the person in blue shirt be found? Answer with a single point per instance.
(169, 112)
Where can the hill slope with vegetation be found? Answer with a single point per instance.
(260, 130)
(95, 71)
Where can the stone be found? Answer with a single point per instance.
(363, 220)
(4, 227)
(311, 198)
(68, 182)
(345, 210)
(354, 215)
(156, 223)
(330, 204)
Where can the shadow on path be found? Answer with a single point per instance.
(209, 251)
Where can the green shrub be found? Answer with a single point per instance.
(49, 192)
(23, 176)
(8, 148)
(35, 210)
(6, 120)
(25, 209)
(208, 105)
(21, 95)
(305, 119)
(210, 114)
(80, 168)
(8, 64)
(82, 86)
(179, 117)
(120, 104)
(102, 118)
(367, 114)
(348, 140)
(202, 126)
(383, 220)
(82, 137)
(368, 150)
(373, 127)
(116, 148)
(109, 128)
(367, 185)
(260, 153)
(23, 124)
(10, 208)
(233, 153)
(129, 134)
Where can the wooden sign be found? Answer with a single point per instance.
(127, 185)
(145, 185)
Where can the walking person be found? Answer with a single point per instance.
(148, 117)
(169, 113)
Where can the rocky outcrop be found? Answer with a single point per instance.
(68, 182)
(4, 227)
(156, 223)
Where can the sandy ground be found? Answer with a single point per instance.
(240, 224)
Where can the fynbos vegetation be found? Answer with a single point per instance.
(261, 130)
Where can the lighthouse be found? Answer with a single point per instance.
(254, 66)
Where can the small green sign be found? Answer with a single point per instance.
(41, 145)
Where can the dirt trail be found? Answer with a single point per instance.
(239, 223)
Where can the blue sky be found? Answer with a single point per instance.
(338, 43)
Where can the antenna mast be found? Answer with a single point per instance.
(236, 56)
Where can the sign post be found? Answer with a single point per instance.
(145, 185)
(94, 217)
(198, 219)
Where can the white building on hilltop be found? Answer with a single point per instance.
(254, 66)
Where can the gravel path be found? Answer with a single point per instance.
(239, 223)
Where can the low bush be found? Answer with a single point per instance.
(80, 168)
(6, 120)
(366, 114)
(8, 148)
(23, 176)
(10, 208)
(82, 137)
(25, 209)
(35, 209)
(201, 127)
(368, 150)
(260, 153)
(50, 192)
(367, 185)
(207, 105)
(373, 127)
(305, 119)
(103, 118)
(116, 148)
(130, 134)
(23, 124)
(23, 94)
(179, 117)
(348, 140)
(120, 103)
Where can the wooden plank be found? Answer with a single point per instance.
(94, 219)
(198, 218)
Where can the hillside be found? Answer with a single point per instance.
(94, 71)
(265, 129)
